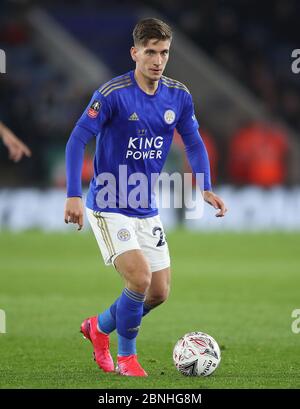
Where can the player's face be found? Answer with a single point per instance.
(152, 58)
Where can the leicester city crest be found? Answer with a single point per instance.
(169, 116)
(123, 235)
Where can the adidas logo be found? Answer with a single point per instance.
(133, 117)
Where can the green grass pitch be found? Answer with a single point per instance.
(239, 288)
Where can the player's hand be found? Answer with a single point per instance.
(74, 211)
(216, 202)
(16, 148)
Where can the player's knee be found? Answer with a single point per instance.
(135, 271)
(143, 281)
(160, 296)
(139, 279)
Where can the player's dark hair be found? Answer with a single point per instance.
(151, 28)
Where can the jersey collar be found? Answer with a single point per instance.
(140, 89)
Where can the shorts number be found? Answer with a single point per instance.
(161, 236)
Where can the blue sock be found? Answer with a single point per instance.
(146, 309)
(106, 322)
(107, 319)
(128, 317)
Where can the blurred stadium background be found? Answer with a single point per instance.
(235, 57)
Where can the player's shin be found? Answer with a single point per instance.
(107, 319)
(129, 314)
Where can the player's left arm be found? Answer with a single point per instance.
(199, 162)
(197, 155)
(215, 201)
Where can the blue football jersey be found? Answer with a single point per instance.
(134, 132)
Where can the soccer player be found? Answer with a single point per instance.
(16, 148)
(133, 117)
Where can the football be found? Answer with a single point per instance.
(196, 354)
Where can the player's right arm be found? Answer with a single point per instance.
(89, 125)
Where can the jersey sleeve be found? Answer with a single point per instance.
(187, 122)
(198, 157)
(96, 114)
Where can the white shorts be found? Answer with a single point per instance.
(116, 233)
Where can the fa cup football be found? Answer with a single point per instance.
(196, 354)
